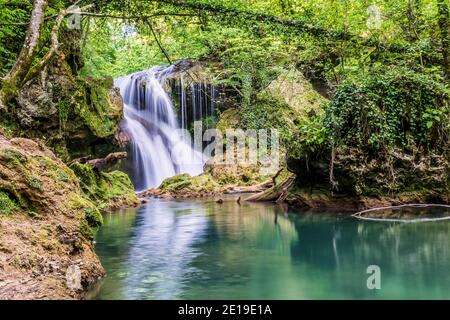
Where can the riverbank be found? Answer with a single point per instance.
(283, 188)
(47, 222)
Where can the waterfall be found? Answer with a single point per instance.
(158, 148)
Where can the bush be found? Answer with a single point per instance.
(386, 110)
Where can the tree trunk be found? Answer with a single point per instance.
(277, 193)
(444, 26)
(12, 81)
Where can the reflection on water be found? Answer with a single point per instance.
(198, 249)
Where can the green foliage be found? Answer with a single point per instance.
(392, 109)
(7, 205)
(11, 12)
(14, 20)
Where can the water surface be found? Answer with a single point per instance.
(198, 249)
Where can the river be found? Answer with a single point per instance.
(199, 249)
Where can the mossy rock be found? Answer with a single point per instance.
(176, 182)
(188, 185)
(229, 119)
(89, 214)
(100, 107)
(105, 189)
(297, 92)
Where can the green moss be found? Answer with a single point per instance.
(93, 217)
(89, 214)
(8, 126)
(52, 170)
(12, 158)
(203, 183)
(96, 108)
(8, 187)
(60, 149)
(34, 182)
(7, 205)
(185, 184)
(86, 230)
(105, 188)
(176, 182)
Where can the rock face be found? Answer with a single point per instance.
(297, 92)
(370, 149)
(45, 226)
(74, 116)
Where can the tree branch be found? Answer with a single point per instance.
(54, 41)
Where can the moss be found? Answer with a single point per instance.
(12, 158)
(98, 108)
(203, 184)
(86, 230)
(105, 188)
(60, 149)
(93, 217)
(186, 184)
(297, 92)
(176, 182)
(89, 214)
(7, 205)
(229, 119)
(9, 188)
(34, 182)
(89, 211)
(8, 126)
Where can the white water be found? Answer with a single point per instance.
(158, 149)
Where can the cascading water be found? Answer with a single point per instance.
(158, 149)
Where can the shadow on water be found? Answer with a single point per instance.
(198, 249)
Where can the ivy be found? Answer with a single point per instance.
(389, 110)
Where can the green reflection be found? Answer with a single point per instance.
(198, 249)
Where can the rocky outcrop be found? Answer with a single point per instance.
(107, 190)
(367, 149)
(297, 92)
(46, 226)
(74, 116)
(217, 179)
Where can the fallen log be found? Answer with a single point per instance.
(277, 192)
(249, 189)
